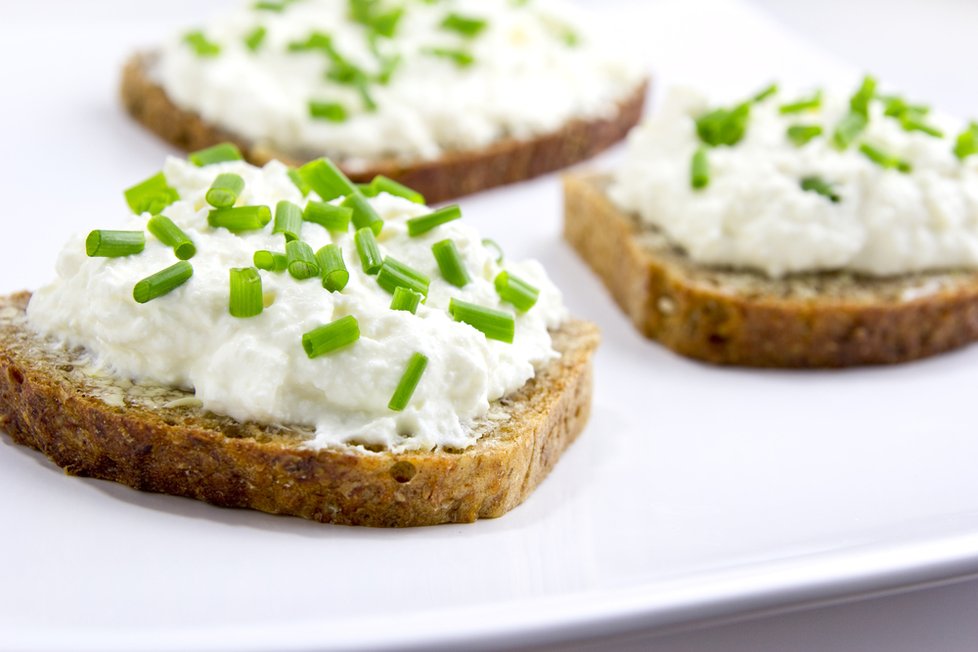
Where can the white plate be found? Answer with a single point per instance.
(695, 492)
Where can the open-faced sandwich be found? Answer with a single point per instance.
(287, 341)
(822, 229)
(448, 97)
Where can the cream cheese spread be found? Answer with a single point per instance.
(919, 213)
(515, 70)
(256, 368)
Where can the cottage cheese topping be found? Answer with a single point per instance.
(754, 214)
(525, 78)
(256, 368)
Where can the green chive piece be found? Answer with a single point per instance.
(332, 269)
(379, 23)
(246, 298)
(699, 171)
(255, 38)
(911, 122)
(331, 111)
(406, 299)
(151, 196)
(271, 261)
(859, 103)
(450, 263)
(494, 324)
(225, 190)
(271, 5)
(848, 129)
(421, 225)
(801, 135)
(765, 93)
(812, 103)
(388, 66)
(394, 274)
(326, 179)
(884, 160)
(381, 184)
(171, 235)
(467, 26)
(366, 190)
(299, 182)
(216, 154)
(489, 243)
(516, 291)
(315, 41)
(408, 383)
(240, 218)
(301, 260)
(967, 142)
(330, 217)
(460, 58)
(331, 337)
(821, 187)
(201, 45)
(114, 244)
(288, 220)
(364, 214)
(724, 126)
(162, 282)
(368, 250)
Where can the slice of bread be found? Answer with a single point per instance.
(156, 439)
(735, 317)
(453, 175)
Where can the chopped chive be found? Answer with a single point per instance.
(450, 263)
(331, 111)
(255, 38)
(367, 249)
(406, 299)
(812, 103)
(724, 126)
(240, 218)
(494, 324)
(364, 214)
(821, 187)
(326, 179)
(394, 274)
(162, 282)
(151, 196)
(801, 135)
(467, 26)
(460, 58)
(225, 190)
(288, 220)
(421, 225)
(366, 190)
(381, 184)
(301, 260)
(408, 383)
(114, 244)
(967, 142)
(246, 299)
(171, 235)
(859, 103)
(272, 5)
(216, 154)
(848, 129)
(488, 243)
(386, 24)
(765, 93)
(699, 169)
(299, 182)
(330, 217)
(884, 160)
(911, 122)
(315, 41)
(897, 107)
(271, 261)
(201, 45)
(331, 337)
(516, 291)
(388, 66)
(379, 23)
(332, 269)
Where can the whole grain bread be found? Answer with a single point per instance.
(733, 317)
(455, 174)
(157, 439)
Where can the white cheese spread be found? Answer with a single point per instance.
(533, 66)
(256, 368)
(754, 213)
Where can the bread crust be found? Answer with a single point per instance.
(137, 435)
(453, 175)
(732, 317)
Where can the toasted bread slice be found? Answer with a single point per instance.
(742, 318)
(156, 439)
(453, 175)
